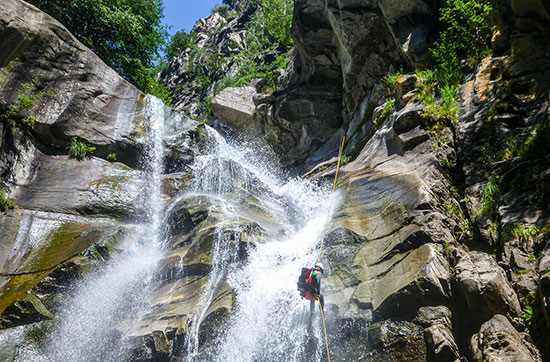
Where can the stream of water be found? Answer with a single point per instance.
(269, 321)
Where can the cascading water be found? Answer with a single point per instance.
(107, 296)
(270, 322)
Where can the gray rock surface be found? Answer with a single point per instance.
(497, 340)
(408, 253)
(484, 288)
(89, 101)
(235, 107)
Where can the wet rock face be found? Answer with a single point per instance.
(405, 280)
(72, 215)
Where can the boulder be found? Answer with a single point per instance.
(484, 289)
(438, 333)
(88, 187)
(498, 340)
(34, 243)
(235, 107)
(396, 341)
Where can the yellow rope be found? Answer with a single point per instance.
(331, 194)
(324, 233)
(325, 328)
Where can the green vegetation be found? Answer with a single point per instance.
(111, 156)
(390, 80)
(455, 211)
(268, 42)
(28, 95)
(207, 105)
(345, 160)
(178, 43)
(524, 233)
(428, 91)
(267, 30)
(467, 34)
(271, 23)
(125, 34)
(223, 10)
(79, 149)
(447, 248)
(249, 69)
(519, 271)
(490, 198)
(205, 66)
(386, 110)
(527, 315)
(5, 202)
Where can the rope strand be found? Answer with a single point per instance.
(340, 150)
(331, 194)
(325, 328)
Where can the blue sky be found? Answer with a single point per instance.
(182, 14)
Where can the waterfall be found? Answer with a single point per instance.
(270, 322)
(107, 296)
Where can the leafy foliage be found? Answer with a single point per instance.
(178, 43)
(467, 34)
(205, 66)
(390, 80)
(249, 69)
(79, 149)
(223, 10)
(18, 111)
(490, 198)
(271, 22)
(386, 110)
(5, 202)
(125, 34)
(454, 211)
(112, 157)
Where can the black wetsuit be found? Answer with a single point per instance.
(315, 289)
(311, 290)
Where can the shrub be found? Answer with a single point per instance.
(449, 107)
(271, 22)
(345, 160)
(249, 69)
(5, 202)
(25, 101)
(467, 34)
(79, 149)
(178, 43)
(388, 107)
(390, 80)
(490, 198)
(207, 106)
(111, 157)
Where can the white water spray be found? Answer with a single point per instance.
(271, 322)
(105, 297)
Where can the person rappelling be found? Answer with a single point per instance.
(309, 285)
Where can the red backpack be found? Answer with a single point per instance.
(304, 278)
